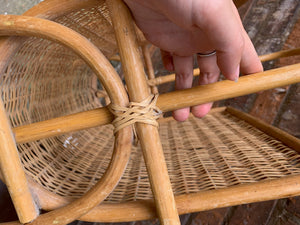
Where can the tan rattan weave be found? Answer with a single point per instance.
(215, 152)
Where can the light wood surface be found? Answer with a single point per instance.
(166, 102)
(138, 91)
(186, 203)
(194, 202)
(228, 89)
(267, 57)
(275, 132)
(13, 173)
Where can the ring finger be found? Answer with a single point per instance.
(209, 73)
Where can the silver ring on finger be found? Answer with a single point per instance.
(206, 54)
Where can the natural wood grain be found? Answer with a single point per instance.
(166, 102)
(138, 91)
(284, 137)
(240, 194)
(13, 173)
(20, 25)
(229, 89)
(276, 55)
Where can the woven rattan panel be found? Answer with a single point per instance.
(95, 24)
(202, 154)
(42, 80)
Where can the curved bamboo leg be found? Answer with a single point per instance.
(22, 25)
(13, 173)
(138, 91)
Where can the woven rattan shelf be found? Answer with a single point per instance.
(218, 151)
(59, 130)
(204, 157)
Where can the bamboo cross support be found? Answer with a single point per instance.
(138, 91)
(169, 78)
(166, 102)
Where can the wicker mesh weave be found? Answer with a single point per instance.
(42, 80)
(215, 152)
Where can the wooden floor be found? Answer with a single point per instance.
(272, 25)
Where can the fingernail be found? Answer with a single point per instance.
(237, 74)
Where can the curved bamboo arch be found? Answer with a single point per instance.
(29, 26)
(50, 9)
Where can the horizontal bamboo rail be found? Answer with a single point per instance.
(229, 89)
(188, 203)
(201, 201)
(280, 54)
(166, 102)
(275, 132)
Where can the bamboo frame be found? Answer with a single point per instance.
(13, 173)
(275, 132)
(194, 202)
(46, 10)
(55, 8)
(229, 89)
(196, 72)
(146, 209)
(197, 95)
(201, 201)
(138, 91)
(147, 59)
(21, 25)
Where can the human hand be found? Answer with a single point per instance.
(183, 28)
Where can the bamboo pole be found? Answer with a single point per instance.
(201, 201)
(166, 102)
(280, 54)
(149, 67)
(267, 57)
(62, 125)
(187, 203)
(147, 59)
(228, 89)
(168, 78)
(13, 173)
(275, 132)
(138, 91)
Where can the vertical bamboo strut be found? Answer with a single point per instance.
(147, 58)
(149, 67)
(13, 173)
(138, 91)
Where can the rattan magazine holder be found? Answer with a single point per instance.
(60, 152)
